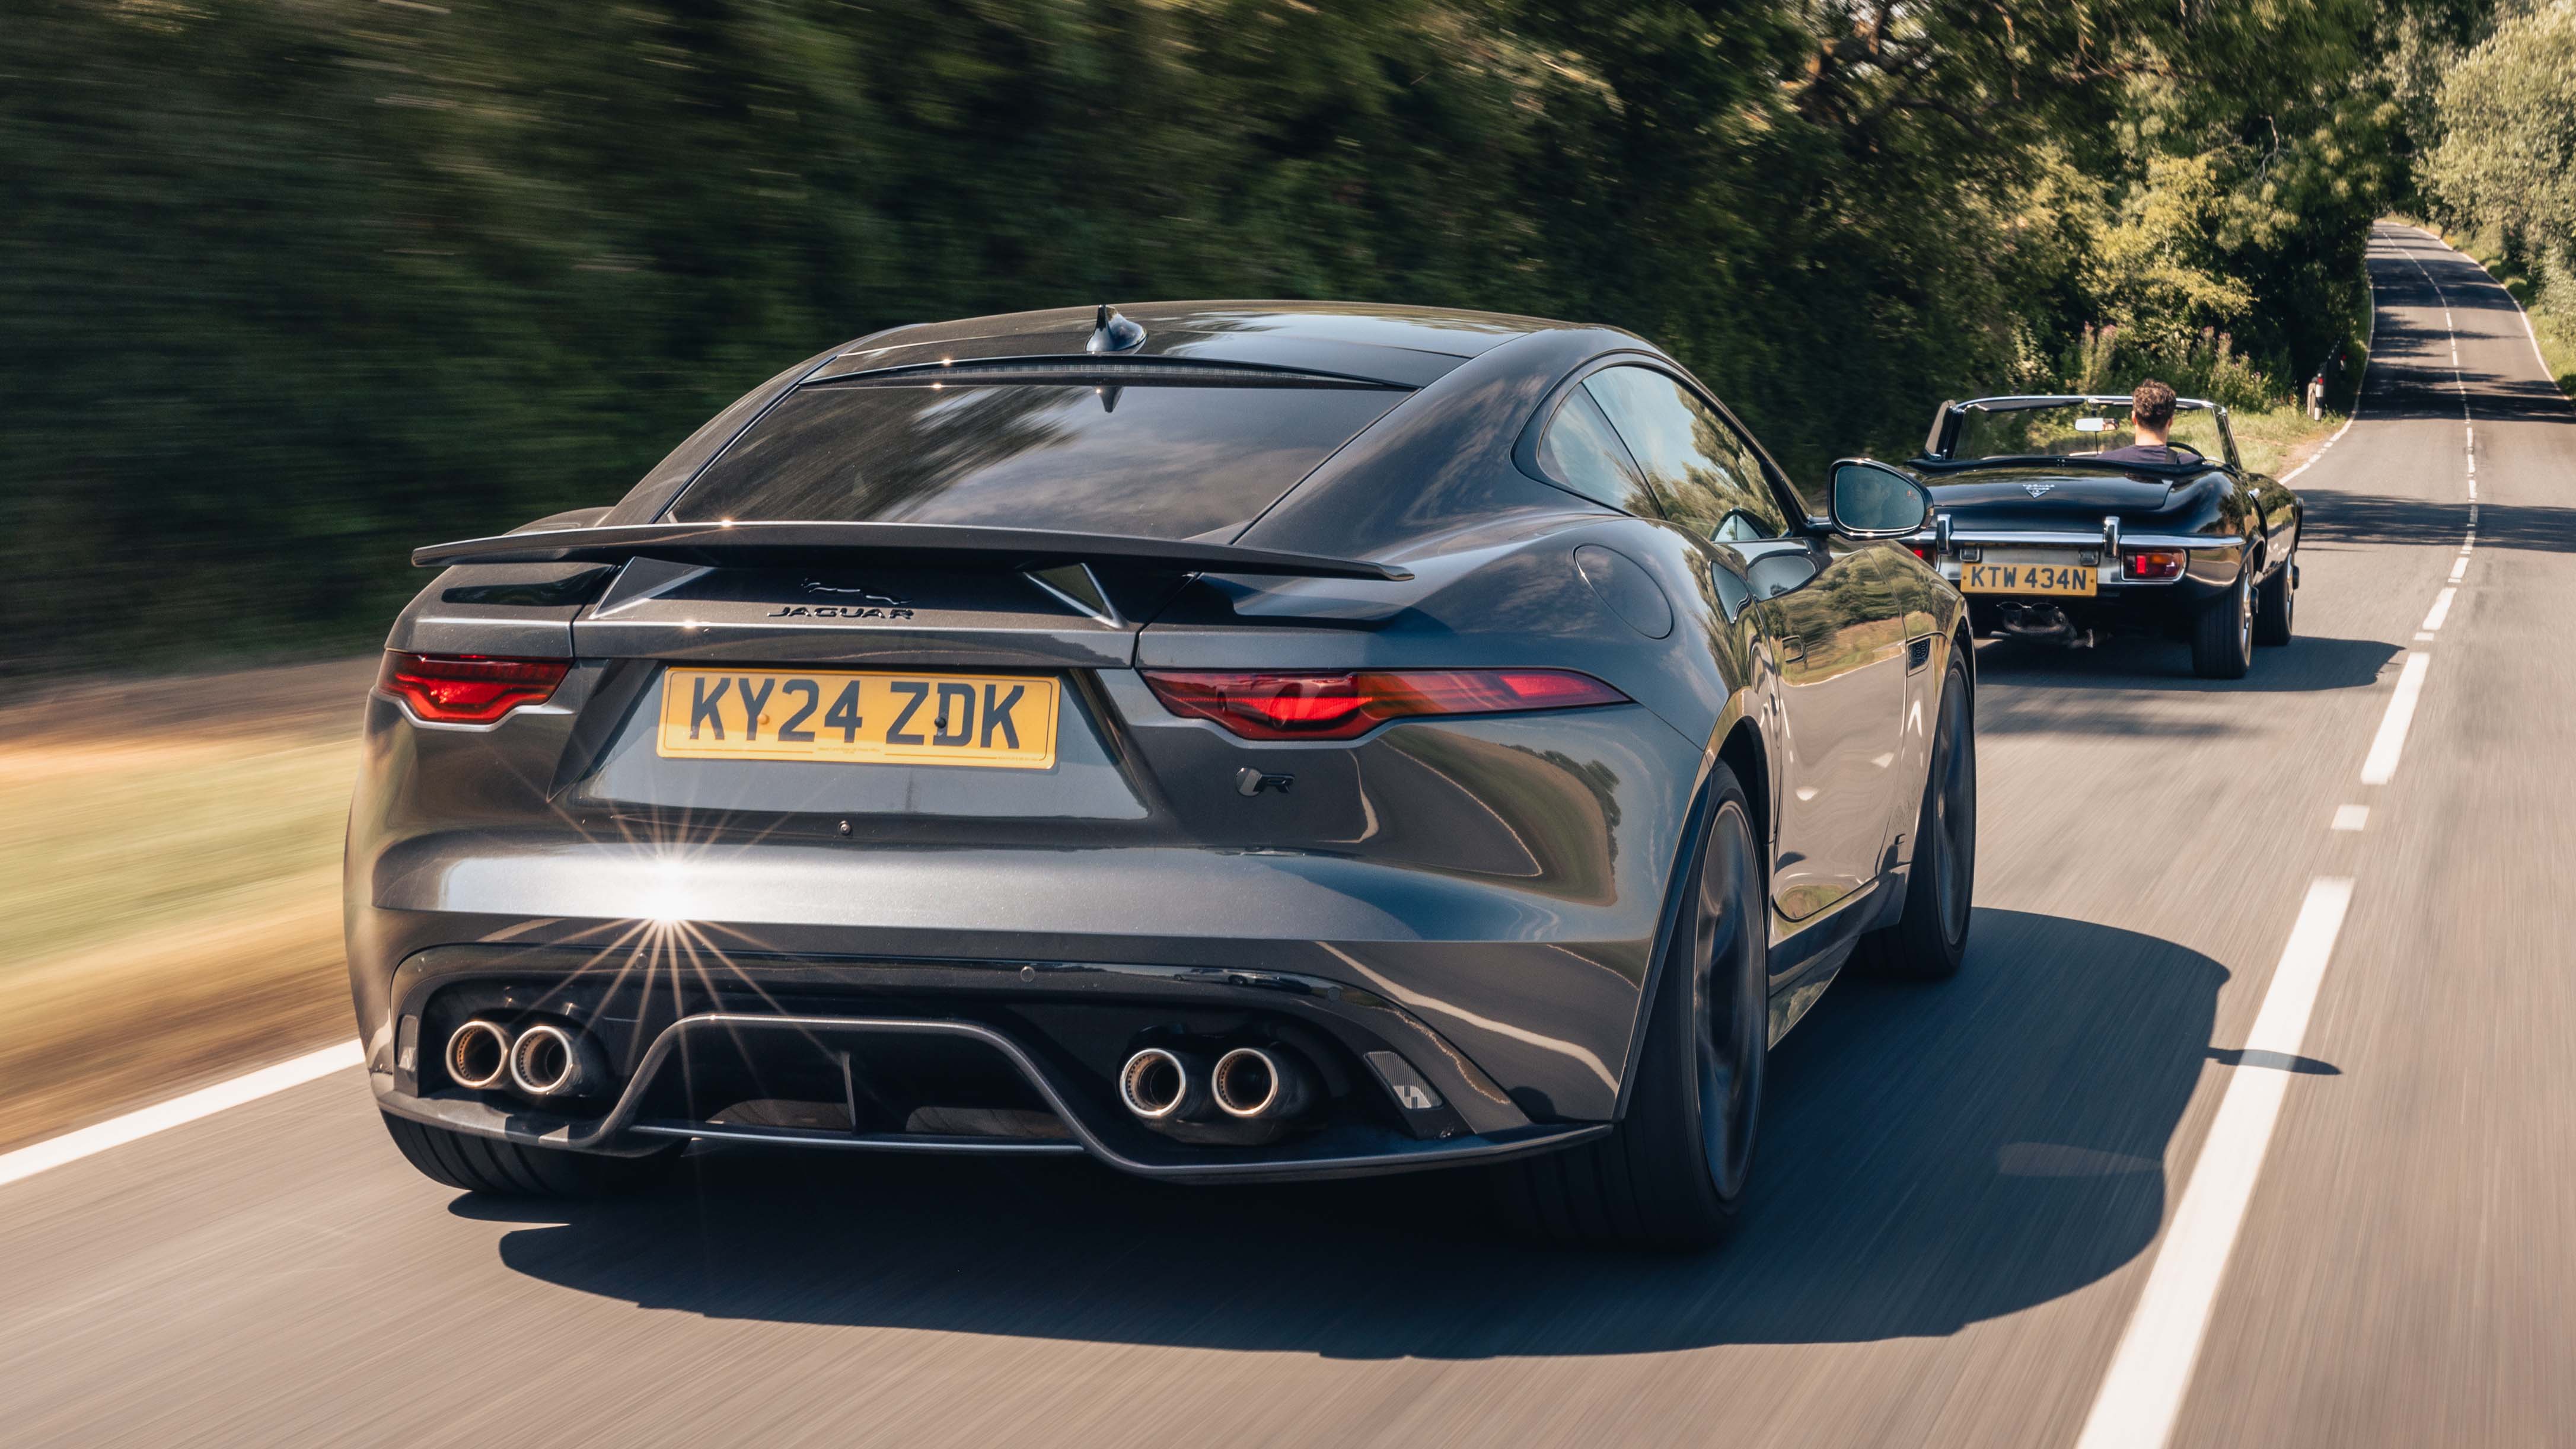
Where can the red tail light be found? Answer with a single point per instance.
(2159, 564)
(1330, 705)
(468, 688)
(1922, 551)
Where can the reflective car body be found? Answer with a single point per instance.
(2230, 527)
(1452, 921)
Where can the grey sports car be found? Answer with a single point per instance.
(1233, 740)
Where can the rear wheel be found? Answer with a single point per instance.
(514, 1169)
(2222, 632)
(2273, 603)
(1672, 1173)
(1930, 939)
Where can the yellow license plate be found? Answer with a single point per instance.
(2025, 578)
(993, 721)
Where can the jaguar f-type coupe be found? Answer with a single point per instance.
(1230, 740)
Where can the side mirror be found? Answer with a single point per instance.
(1872, 500)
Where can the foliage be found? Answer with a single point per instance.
(2507, 157)
(292, 285)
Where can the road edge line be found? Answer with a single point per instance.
(2142, 1394)
(26, 1162)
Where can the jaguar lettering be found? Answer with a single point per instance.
(838, 611)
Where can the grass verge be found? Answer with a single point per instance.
(169, 885)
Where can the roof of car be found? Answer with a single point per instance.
(1452, 330)
(1410, 346)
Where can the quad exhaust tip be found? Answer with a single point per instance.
(1253, 1084)
(478, 1055)
(1164, 1086)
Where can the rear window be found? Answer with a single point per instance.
(1155, 461)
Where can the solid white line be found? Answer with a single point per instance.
(2441, 610)
(2151, 1372)
(2381, 765)
(117, 1131)
(2352, 817)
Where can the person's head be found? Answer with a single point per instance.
(2151, 410)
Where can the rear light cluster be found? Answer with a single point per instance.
(2151, 564)
(1336, 705)
(468, 688)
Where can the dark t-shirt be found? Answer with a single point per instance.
(2155, 455)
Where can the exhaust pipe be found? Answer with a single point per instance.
(478, 1055)
(1255, 1084)
(549, 1061)
(1163, 1086)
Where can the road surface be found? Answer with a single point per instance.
(2155, 1151)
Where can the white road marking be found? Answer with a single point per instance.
(2380, 766)
(2441, 610)
(2459, 566)
(2352, 817)
(133, 1126)
(2423, 638)
(2151, 1371)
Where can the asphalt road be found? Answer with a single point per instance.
(1963, 1190)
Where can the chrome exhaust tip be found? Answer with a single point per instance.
(1163, 1086)
(1254, 1084)
(549, 1061)
(478, 1055)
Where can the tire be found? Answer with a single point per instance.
(1672, 1173)
(513, 1169)
(1930, 939)
(2222, 632)
(2274, 603)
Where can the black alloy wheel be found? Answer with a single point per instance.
(1672, 1173)
(2222, 632)
(1930, 940)
(2274, 603)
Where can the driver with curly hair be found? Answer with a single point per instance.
(2151, 413)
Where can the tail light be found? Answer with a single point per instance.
(468, 688)
(1922, 551)
(1332, 705)
(2151, 564)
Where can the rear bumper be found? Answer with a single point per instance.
(2210, 570)
(664, 1021)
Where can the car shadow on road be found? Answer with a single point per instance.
(2306, 664)
(1932, 1156)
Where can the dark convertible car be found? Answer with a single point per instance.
(2051, 543)
(1230, 740)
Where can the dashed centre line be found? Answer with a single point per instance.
(2143, 1392)
(2152, 1368)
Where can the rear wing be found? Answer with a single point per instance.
(781, 545)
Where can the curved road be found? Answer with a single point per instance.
(1978, 1204)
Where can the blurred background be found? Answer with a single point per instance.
(288, 287)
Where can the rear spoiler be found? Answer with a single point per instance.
(759, 545)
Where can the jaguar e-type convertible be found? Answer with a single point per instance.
(1229, 740)
(2051, 543)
